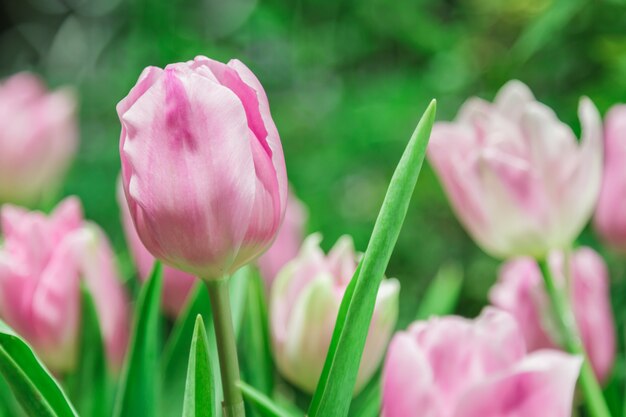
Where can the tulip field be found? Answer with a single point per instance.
(312, 209)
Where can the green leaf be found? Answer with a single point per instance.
(137, 395)
(238, 283)
(34, 388)
(264, 405)
(368, 402)
(443, 292)
(334, 391)
(255, 356)
(90, 390)
(199, 395)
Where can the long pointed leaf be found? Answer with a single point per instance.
(334, 391)
(137, 395)
(443, 292)
(34, 388)
(199, 389)
(264, 405)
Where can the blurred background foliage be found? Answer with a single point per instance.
(347, 82)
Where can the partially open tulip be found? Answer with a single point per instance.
(287, 243)
(520, 290)
(516, 176)
(43, 262)
(304, 304)
(610, 217)
(177, 285)
(37, 140)
(455, 367)
(202, 165)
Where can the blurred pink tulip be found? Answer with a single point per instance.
(515, 175)
(37, 141)
(177, 285)
(202, 165)
(610, 217)
(455, 367)
(520, 291)
(42, 264)
(287, 243)
(304, 304)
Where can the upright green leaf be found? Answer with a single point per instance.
(443, 292)
(34, 388)
(368, 402)
(263, 404)
(137, 395)
(199, 396)
(334, 391)
(238, 283)
(89, 385)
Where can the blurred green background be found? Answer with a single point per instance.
(347, 82)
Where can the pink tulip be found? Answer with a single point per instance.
(287, 243)
(202, 165)
(515, 175)
(177, 285)
(455, 367)
(610, 217)
(37, 141)
(42, 264)
(520, 291)
(304, 304)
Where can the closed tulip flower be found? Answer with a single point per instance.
(455, 367)
(610, 217)
(43, 262)
(177, 285)
(304, 304)
(37, 141)
(520, 290)
(287, 243)
(202, 166)
(515, 175)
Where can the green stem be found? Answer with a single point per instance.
(594, 399)
(232, 405)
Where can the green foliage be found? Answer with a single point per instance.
(200, 386)
(264, 405)
(137, 395)
(442, 295)
(32, 385)
(334, 391)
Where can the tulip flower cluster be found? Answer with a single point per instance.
(204, 195)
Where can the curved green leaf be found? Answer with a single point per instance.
(199, 391)
(264, 405)
(442, 293)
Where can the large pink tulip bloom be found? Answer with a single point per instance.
(520, 290)
(455, 367)
(42, 264)
(610, 217)
(515, 175)
(38, 138)
(304, 304)
(287, 243)
(177, 285)
(202, 165)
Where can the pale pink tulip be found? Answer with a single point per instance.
(287, 243)
(304, 304)
(515, 175)
(520, 290)
(202, 165)
(37, 141)
(42, 263)
(455, 367)
(610, 217)
(177, 285)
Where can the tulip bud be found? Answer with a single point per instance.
(202, 166)
(515, 175)
(287, 243)
(455, 367)
(520, 291)
(37, 141)
(304, 304)
(177, 285)
(610, 217)
(42, 264)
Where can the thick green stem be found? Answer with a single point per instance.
(232, 405)
(564, 318)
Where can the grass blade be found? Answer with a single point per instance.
(199, 390)
(334, 391)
